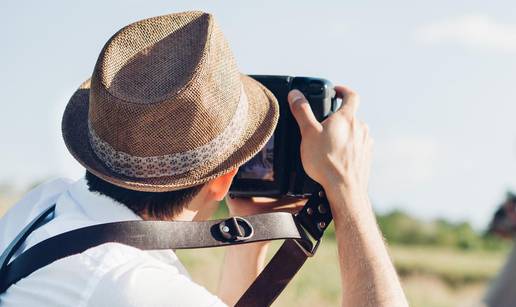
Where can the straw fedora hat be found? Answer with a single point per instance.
(166, 107)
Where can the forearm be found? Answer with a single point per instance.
(367, 273)
(242, 264)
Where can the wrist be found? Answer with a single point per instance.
(241, 206)
(348, 201)
(344, 188)
(336, 180)
(244, 212)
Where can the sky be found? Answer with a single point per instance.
(437, 80)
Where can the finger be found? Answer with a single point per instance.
(285, 204)
(367, 139)
(289, 205)
(365, 129)
(350, 101)
(358, 129)
(302, 111)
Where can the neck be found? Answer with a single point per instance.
(201, 208)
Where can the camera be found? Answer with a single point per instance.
(276, 171)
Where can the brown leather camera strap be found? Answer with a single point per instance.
(314, 218)
(275, 276)
(152, 235)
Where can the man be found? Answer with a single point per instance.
(500, 292)
(162, 128)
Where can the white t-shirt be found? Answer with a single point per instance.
(111, 274)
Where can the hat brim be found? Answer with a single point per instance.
(263, 113)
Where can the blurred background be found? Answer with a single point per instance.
(436, 80)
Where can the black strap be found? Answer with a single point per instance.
(147, 235)
(275, 276)
(315, 218)
(20, 238)
(151, 235)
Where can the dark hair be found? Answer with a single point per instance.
(156, 205)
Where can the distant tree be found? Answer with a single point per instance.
(399, 227)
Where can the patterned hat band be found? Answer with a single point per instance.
(176, 163)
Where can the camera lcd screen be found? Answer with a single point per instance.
(261, 166)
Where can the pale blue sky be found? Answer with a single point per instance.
(437, 81)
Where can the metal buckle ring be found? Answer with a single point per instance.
(236, 229)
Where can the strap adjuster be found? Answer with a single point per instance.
(309, 251)
(236, 229)
(315, 215)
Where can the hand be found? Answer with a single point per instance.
(257, 205)
(338, 150)
(337, 154)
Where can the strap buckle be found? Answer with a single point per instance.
(315, 215)
(314, 218)
(236, 229)
(309, 251)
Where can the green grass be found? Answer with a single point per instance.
(431, 277)
(455, 267)
(317, 284)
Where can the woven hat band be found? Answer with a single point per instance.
(177, 163)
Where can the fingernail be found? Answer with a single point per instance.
(295, 95)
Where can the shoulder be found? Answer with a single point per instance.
(32, 204)
(132, 277)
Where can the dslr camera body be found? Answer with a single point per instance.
(276, 171)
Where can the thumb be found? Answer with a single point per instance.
(302, 111)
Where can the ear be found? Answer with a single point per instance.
(219, 187)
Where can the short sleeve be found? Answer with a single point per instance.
(149, 284)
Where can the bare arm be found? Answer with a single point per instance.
(367, 274)
(243, 263)
(337, 154)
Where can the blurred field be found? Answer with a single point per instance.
(432, 276)
(445, 277)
